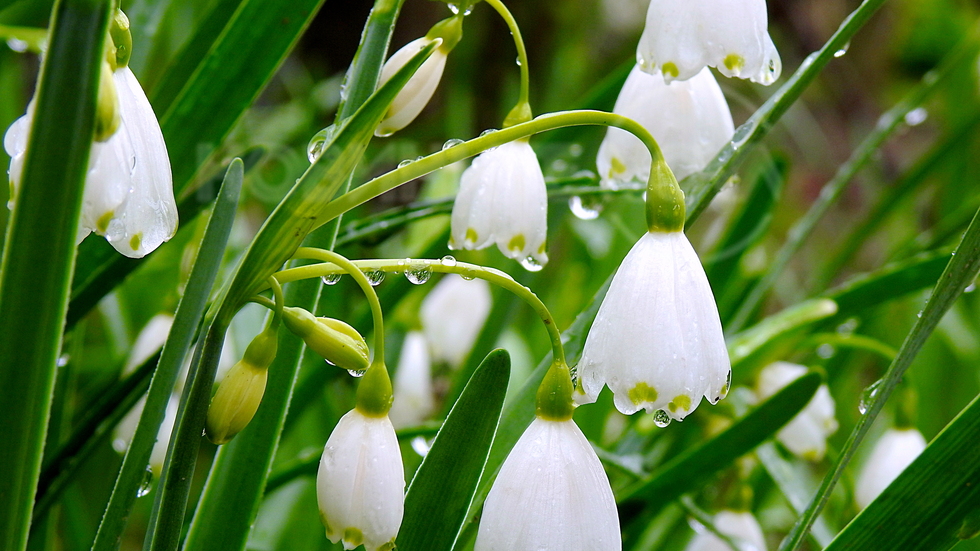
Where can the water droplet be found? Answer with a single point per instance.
(843, 50)
(826, 351)
(319, 141)
(530, 264)
(448, 260)
(847, 327)
(487, 131)
(868, 396)
(451, 143)
(454, 8)
(518, 61)
(916, 116)
(585, 209)
(330, 279)
(404, 163)
(17, 45)
(467, 276)
(576, 150)
(660, 418)
(374, 277)
(63, 360)
(146, 484)
(357, 372)
(418, 274)
(971, 287)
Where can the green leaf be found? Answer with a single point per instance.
(933, 504)
(443, 487)
(697, 465)
(746, 345)
(891, 282)
(186, 322)
(39, 252)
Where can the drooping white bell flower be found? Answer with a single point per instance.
(502, 199)
(550, 494)
(413, 383)
(806, 434)
(453, 314)
(740, 526)
(418, 91)
(128, 194)
(689, 119)
(657, 340)
(682, 37)
(894, 451)
(361, 483)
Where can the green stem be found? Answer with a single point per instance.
(356, 271)
(278, 305)
(435, 161)
(523, 99)
(444, 266)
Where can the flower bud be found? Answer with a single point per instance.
(122, 38)
(240, 392)
(338, 343)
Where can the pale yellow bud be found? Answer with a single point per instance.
(338, 343)
(235, 402)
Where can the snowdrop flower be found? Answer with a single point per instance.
(413, 383)
(551, 494)
(657, 340)
(502, 199)
(806, 434)
(740, 526)
(128, 194)
(453, 314)
(684, 36)
(360, 483)
(893, 452)
(690, 120)
(418, 91)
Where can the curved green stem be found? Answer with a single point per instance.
(464, 269)
(278, 305)
(508, 18)
(435, 161)
(343, 265)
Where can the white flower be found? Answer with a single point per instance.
(416, 94)
(502, 199)
(806, 434)
(413, 383)
(128, 194)
(361, 483)
(657, 340)
(740, 526)
(684, 36)
(551, 494)
(689, 119)
(894, 451)
(453, 314)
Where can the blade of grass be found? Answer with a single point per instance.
(960, 272)
(39, 252)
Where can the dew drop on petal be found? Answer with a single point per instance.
(330, 279)
(660, 418)
(530, 264)
(868, 396)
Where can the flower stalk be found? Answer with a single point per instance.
(522, 111)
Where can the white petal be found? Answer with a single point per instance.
(453, 314)
(150, 339)
(689, 119)
(413, 383)
(148, 216)
(741, 526)
(657, 340)
(682, 37)
(417, 92)
(503, 200)
(894, 451)
(15, 144)
(806, 434)
(550, 494)
(361, 483)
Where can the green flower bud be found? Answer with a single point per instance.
(338, 343)
(374, 393)
(240, 393)
(554, 397)
(107, 108)
(666, 211)
(122, 39)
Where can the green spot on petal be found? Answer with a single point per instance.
(471, 236)
(734, 62)
(516, 243)
(617, 166)
(670, 69)
(102, 224)
(353, 537)
(135, 240)
(388, 546)
(543, 247)
(642, 393)
(681, 402)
